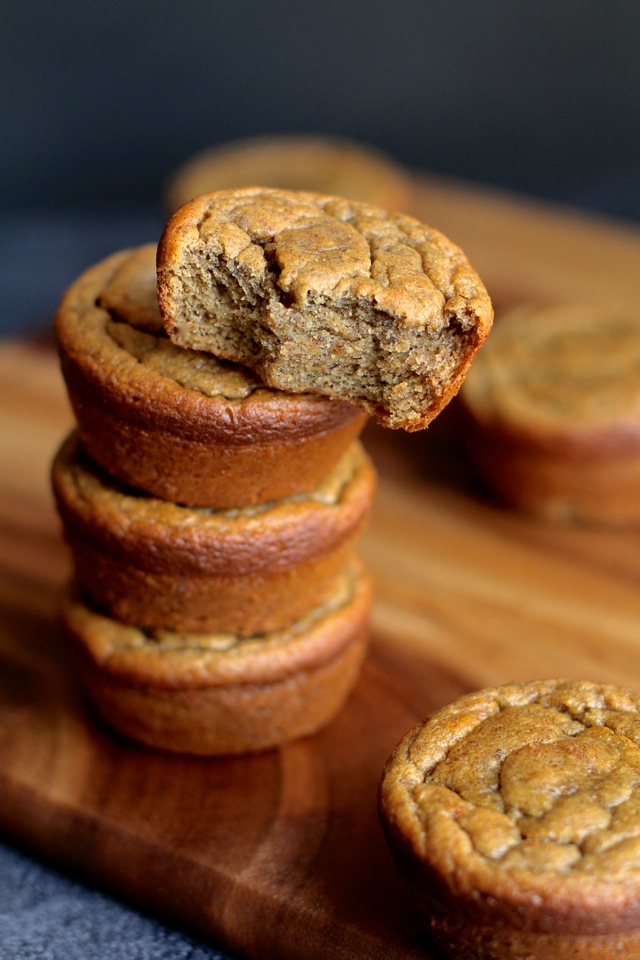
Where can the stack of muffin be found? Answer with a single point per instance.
(217, 605)
(212, 512)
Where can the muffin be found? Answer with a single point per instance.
(514, 813)
(181, 425)
(205, 693)
(551, 412)
(155, 564)
(324, 295)
(296, 162)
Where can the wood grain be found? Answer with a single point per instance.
(281, 855)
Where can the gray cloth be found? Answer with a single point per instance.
(46, 916)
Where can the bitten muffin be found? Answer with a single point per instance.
(205, 693)
(324, 295)
(178, 424)
(296, 162)
(552, 416)
(515, 814)
(248, 570)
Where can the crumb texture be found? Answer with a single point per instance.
(181, 424)
(134, 323)
(323, 295)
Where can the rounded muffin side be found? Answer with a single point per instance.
(513, 814)
(212, 694)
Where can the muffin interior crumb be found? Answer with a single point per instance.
(326, 296)
(133, 321)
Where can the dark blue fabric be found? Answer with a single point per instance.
(46, 916)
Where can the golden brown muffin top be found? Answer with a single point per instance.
(331, 165)
(171, 659)
(325, 295)
(569, 371)
(529, 793)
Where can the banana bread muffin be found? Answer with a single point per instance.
(552, 415)
(324, 295)
(244, 571)
(178, 424)
(296, 162)
(515, 814)
(204, 693)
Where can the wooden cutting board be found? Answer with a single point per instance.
(281, 855)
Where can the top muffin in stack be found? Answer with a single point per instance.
(326, 296)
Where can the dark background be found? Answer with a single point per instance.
(101, 101)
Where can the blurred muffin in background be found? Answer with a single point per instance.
(551, 412)
(323, 164)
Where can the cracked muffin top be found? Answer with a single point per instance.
(134, 323)
(525, 797)
(323, 295)
(120, 320)
(564, 375)
(179, 424)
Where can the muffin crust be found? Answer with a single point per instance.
(246, 570)
(175, 423)
(217, 694)
(324, 295)
(514, 812)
